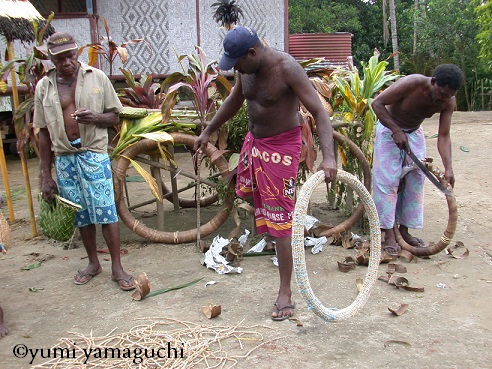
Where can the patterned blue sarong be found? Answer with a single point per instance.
(85, 178)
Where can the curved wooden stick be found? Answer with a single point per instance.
(146, 145)
(448, 234)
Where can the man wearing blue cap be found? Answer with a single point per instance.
(273, 84)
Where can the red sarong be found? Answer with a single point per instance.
(267, 170)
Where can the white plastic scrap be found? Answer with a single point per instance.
(316, 243)
(356, 237)
(242, 239)
(217, 262)
(310, 222)
(275, 260)
(259, 246)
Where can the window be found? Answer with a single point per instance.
(45, 7)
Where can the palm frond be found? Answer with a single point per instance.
(227, 12)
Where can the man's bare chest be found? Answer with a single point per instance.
(420, 108)
(265, 91)
(66, 94)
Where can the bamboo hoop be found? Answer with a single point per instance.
(447, 236)
(298, 252)
(146, 145)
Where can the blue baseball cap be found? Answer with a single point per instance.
(236, 43)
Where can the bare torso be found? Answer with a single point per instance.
(67, 100)
(416, 105)
(272, 104)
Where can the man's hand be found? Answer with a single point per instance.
(329, 166)
(449, 175)
(49, 189)
(401, 140)
(201, 142)
(84, 116)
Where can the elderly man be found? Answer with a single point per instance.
(74, 106)
(273, 84)
(401, 109)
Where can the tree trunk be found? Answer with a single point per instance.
(394, 35)
(465, 84)
(385, 24)
(415, 27)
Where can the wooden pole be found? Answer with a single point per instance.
(5, 177)
(25, 171)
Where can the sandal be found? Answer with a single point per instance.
(84, 277)
(392, 250)
(279, 309)
(126, 284)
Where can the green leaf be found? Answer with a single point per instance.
(233, 161)
(151, 182)
(35, 289)
(164, 290)
(3, 86)
(158, 136)
(37, 264)
(463, 148)
(432, 136)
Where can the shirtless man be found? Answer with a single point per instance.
(272, 83)
(401, 109)
(74, 106)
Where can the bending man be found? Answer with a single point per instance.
(401, 109)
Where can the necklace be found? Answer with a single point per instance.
(61, 81)
(69, 83)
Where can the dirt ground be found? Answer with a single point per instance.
(446, 326)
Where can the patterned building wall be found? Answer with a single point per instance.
(164, 24)
(266, 17)
(79, 28)
(170, 27)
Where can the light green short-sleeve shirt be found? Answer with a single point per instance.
(94, 91)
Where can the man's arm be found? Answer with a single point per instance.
(227, 110)
(298, 80)
(392, 95)
(444, 140)
(103, 120)
(48, 185)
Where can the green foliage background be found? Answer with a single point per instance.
(447, 31)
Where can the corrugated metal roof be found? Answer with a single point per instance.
(334, 47)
